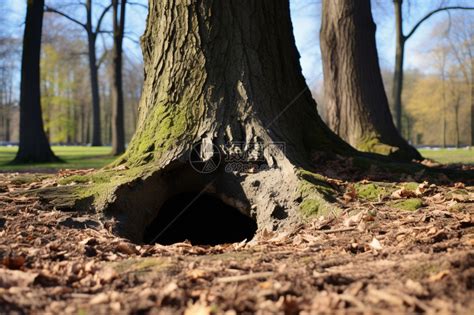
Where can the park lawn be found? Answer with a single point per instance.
(450, 156)
(74, 157)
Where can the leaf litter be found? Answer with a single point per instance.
(374, 258)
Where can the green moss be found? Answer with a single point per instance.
(310, 207)
(165, 126)
(29, 178)
(96, 178)
(102, 184)
(410, 186)
(373, 144)
(316, 193)
(411, 204)
(372, 191)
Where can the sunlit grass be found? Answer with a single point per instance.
(450, 156)
(74, 157)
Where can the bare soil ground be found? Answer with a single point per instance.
(405, 248)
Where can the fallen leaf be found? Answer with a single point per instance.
(107, 274)
(350, 194)
(353, 220)
(422, 189)
(198, 308)
(459, 185)
(99, 299)
(403, 193)
(13, 262)
(440, 275)
(16, 278)
(375, 244)
(126, 248)
(196, 273)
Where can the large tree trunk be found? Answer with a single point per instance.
(356, 103)
(222, 82)
(118, 132)
(34, 146)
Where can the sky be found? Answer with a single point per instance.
(306, 24)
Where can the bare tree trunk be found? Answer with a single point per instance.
(94, 74)
(118, 132)
(472, 101)
(443, 120)
(399, 58)
(356, 103)
(34, 146)
(456, 120)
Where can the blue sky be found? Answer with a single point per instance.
(306, 23)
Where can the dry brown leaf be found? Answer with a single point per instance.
(16, 278)
(375, 244)
(438, 276)
(403, 193)
(350, 194)
(107, 274)
(198, 308)
(353, 220)
(197, 273)
(126, 248)
(422, 189)
(13, 262)
(459, 185)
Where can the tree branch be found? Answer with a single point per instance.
(102, 58)
(426, 17)
(70, 18)
(101, 18)
(138, 4)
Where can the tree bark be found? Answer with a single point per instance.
(34, 146)
(472, 101)
(222, 82)
(118, 132)
(399, 59)
(94, 74)
(356, 103)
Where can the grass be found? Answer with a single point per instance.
(75, 157)
(450, 156)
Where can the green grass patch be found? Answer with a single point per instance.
(450, 156)
(74, 157)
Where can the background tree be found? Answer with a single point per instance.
(92, 34)
(401, 39)
(461, 46)
(118, 132)
(356, 105)
(34, 146)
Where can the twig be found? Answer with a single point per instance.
(249, 276)
(339, 230)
